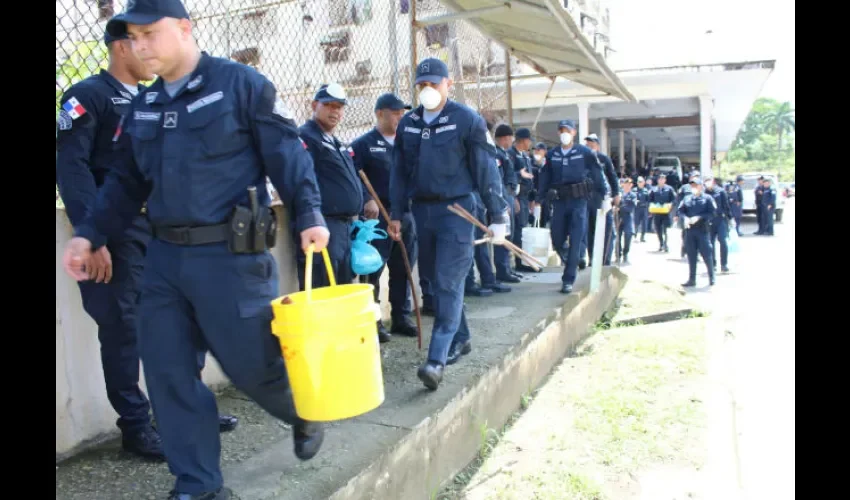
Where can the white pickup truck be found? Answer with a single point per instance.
(749, 186)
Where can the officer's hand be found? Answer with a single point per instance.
(370, 210)
(99, 266)
(526, 174)
(616, 200)
(76, 257)
(394, 230)
(316, 235)
(676, 219)
(499, 231)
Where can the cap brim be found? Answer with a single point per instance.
(325, 100)
(435, 79)
(395, 107)
(117, 26)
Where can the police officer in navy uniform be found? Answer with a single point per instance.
(768, 204)
(736, 200)
(89, 114)
(540, 152)
(373, 152)
(697, 210)
(526, 192)
(572, 176)
(759, 193)
(341, 188)
(510, 188)
(628, 208)
(444, 152)
(662, 194)
(683, 192)
(482, 261)
(720, 224)
(197, 147)
(642, 209)
(592, 142)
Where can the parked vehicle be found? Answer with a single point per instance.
(749, 186)
(668, 164)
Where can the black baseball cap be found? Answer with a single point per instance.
(390, 101)
(540, 145)
(143, 12)
(431, 70)
(107, 38)
(523, 133)
(504, 130)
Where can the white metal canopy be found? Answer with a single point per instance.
(542, 34)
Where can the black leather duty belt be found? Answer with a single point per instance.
(192, 235)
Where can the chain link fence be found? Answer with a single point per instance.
(364, 45)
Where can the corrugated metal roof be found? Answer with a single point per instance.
(544, 35)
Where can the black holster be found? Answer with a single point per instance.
(576, 190)
(249, 234)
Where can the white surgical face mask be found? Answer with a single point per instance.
(708, 184)
(566, 138)
(539, 158)
(430, 98)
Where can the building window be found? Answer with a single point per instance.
(336, 46)
(249, 56)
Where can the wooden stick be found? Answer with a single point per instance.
(482, 240)
(522, 254)
(404, 256)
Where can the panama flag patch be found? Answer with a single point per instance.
(74, 108)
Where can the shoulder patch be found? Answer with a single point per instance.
(65, 120)
(74, 109)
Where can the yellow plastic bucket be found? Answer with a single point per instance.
(659, 209)
(329, 340)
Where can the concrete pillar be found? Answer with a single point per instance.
(583, 122)
(603, 136)
(643, 155)
(634, 152)
(622, 150)
(706, 106)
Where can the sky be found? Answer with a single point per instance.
(648, 33)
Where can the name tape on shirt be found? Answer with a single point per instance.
(120, 100)
(445, 128)
(204, 101)
(147, 116)
(150, 97)
(413, 130)
(377, 150)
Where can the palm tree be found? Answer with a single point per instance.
(780, 121)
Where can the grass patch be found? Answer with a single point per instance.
(602, 418)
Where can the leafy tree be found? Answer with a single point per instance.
(766, 140)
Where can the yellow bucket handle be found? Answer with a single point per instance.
(308, 272)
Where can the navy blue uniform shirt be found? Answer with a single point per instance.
(507, 170)
(629, 202)
(340, 186)
(702, 205)
(768, 197)
(192, 157)
(374, 156)
(521, 161)
(724, 209)
(449, 158)
(643, 196)
(84, 152)
(662, 194)
(610, 174)
(578, 164)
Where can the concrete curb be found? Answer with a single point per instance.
(443, 444)
(661, 317)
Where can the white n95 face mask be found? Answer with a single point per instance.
(566, 138)
(430, 97)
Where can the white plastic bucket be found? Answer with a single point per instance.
(537, 242)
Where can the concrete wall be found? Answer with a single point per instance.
(83, 414)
